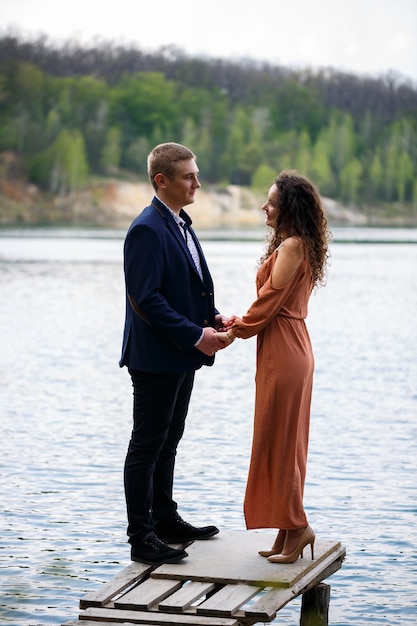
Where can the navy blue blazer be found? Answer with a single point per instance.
(167, 303)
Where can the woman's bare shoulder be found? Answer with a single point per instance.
(293, 246)
(289, 258)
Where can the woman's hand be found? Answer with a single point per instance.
(228, 322)
(222, 321)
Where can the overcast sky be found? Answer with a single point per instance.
(369, 37)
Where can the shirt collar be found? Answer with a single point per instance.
(176, 217)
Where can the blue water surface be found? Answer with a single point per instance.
(66, 419)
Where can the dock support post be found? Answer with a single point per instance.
(315, 606)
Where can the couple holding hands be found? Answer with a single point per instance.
(172, 328)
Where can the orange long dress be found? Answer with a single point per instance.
(284, 380)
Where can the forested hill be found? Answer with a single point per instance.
(249, 83)
(70, 114)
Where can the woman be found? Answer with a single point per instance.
(294, 263)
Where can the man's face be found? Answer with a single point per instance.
(180, 191)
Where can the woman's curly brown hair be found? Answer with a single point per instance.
(300, 214)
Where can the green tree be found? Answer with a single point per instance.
(110, 157)
(28, 86)
(136, 154)
(233, 156)
(189, 134)
(350, 180)
(297, 106)
(321, 171)
(390, 167)
(341, 140)
(148, 101)
(263, 177)
(204, 153)
(95, 131)
(63, 166)
(414, 195)
(53, 124)
(401, 145)
(302, 161)
(375, 176)
(404, 176)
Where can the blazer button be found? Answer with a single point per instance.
(203, 294)
(205, 322)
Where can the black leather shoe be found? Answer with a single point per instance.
(153, 551)
(176, 530)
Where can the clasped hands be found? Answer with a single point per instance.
(225, 331)
(215, 339)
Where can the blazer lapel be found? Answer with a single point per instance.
(175, 229)
(204, 268)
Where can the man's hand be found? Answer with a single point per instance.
(210, 342)
(221, 321)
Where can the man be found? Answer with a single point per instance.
(170, 331)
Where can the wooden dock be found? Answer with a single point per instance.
(223, 582)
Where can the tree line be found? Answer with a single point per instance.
(72, 113)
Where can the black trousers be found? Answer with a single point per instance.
(160, 406)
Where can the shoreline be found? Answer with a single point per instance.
(115, 203)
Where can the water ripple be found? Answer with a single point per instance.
(66, 419)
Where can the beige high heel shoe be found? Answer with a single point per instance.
(308, 537)
(276, 548)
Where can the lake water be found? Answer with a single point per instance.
(66, 418)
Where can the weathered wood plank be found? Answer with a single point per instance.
(96, 623)
(95, 614)
(273, 600)
(265, 608)
(182, 599)
(106, 623)
(227, 600)
(232, 557)
(330, 565)
(147, 594)
(128, 576)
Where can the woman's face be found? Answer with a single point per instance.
(271, 207)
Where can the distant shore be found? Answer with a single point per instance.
(115, 203)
